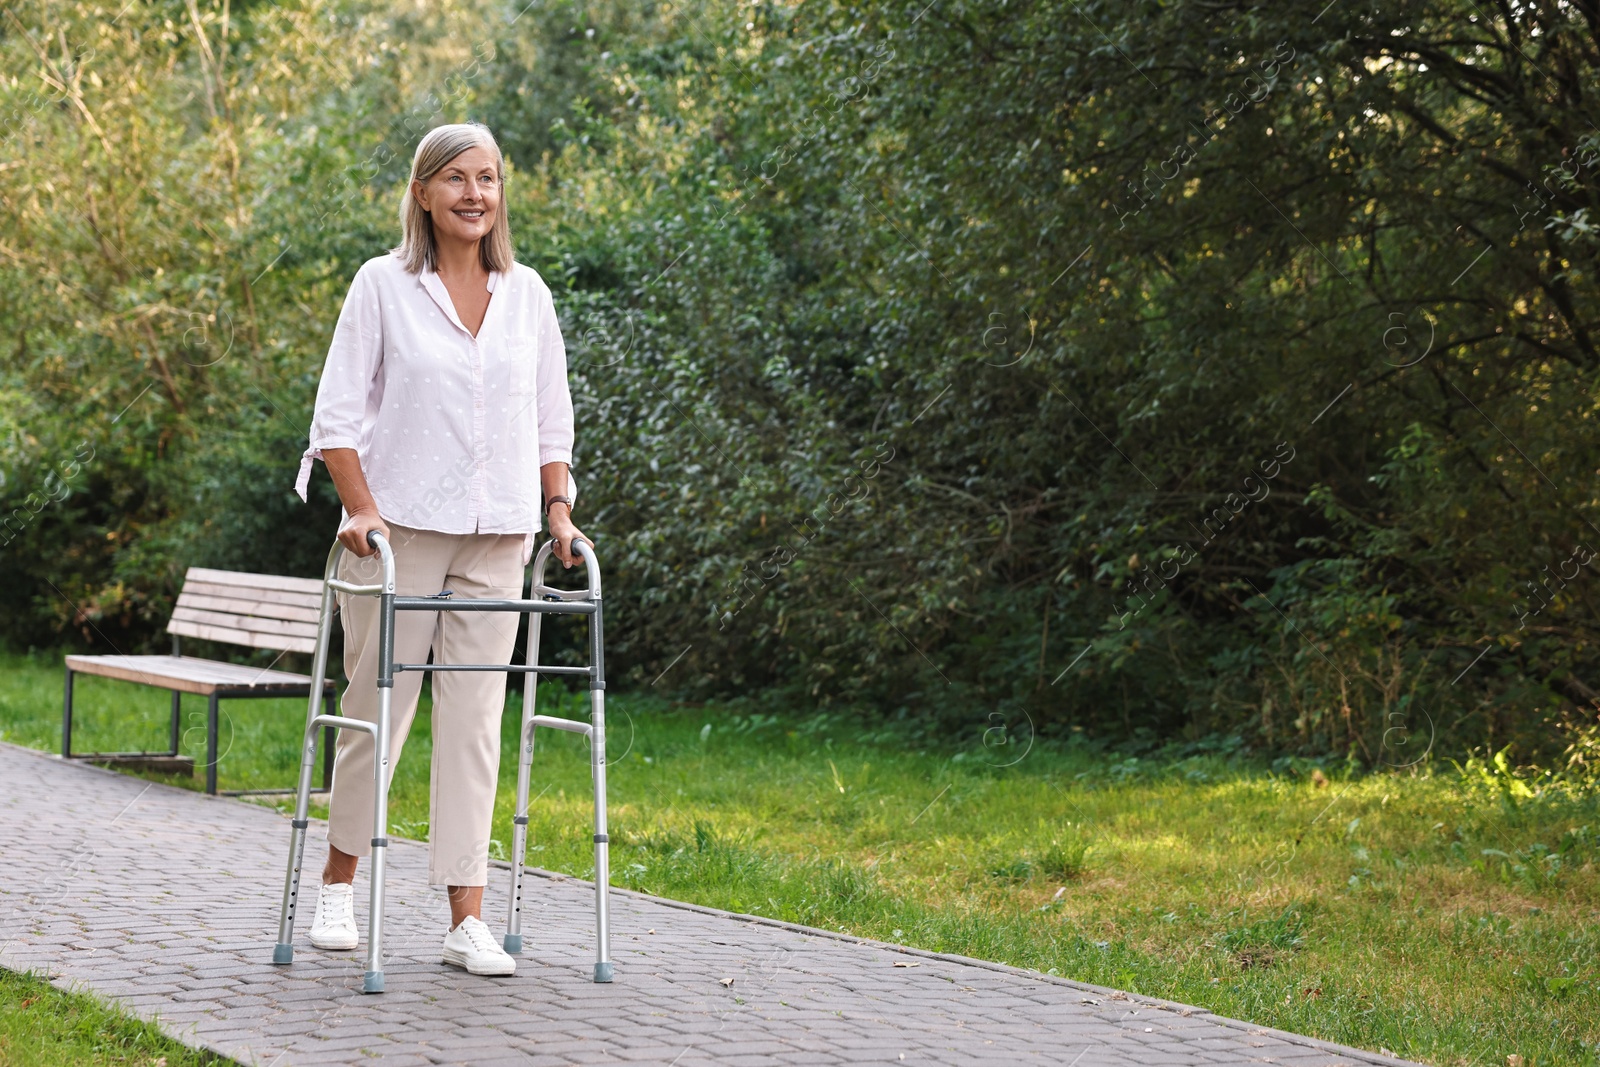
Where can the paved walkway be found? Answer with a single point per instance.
(166, 900)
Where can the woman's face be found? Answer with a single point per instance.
(463, 197)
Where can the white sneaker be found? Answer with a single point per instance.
(335, 924)
(472, 946)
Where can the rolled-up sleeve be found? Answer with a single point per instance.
(347, 395)
(554, 397)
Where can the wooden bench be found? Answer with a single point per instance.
(253, 610)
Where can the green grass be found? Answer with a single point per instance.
(41, 1025)
(1448, 917)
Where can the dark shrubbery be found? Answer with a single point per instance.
(1161, 369)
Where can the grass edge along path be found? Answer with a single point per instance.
(42, 1025)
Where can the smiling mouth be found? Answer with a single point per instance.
(470, 214)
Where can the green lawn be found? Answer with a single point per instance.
(1449, 917)
(40, 1025)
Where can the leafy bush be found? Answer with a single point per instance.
(930, 362)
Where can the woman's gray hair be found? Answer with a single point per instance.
(438, 147)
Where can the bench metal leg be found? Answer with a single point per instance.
(119, 758)
(330, 706)
(66, 719)
(177, 720)
(211, 746)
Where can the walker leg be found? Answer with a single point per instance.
(373, 979)
(519, 814)
(602, 842)
(283, 951)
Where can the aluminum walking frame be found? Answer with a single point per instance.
(543, 600)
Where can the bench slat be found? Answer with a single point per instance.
(187, 674)
(238, 606)
(255, 581)
(265, 596)
(286, 627)
(249, 638)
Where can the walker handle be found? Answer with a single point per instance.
(380, 544)
(581, 547)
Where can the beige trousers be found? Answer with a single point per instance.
(466, 704)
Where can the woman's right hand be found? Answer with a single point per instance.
(353, 534)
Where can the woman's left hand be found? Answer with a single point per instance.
(562, 532)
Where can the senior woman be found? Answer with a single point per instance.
(442, 412)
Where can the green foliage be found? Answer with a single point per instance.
(1145, 370)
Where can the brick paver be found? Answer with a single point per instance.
(166, 901)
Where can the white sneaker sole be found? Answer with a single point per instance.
(335, 940)
(486, 968)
